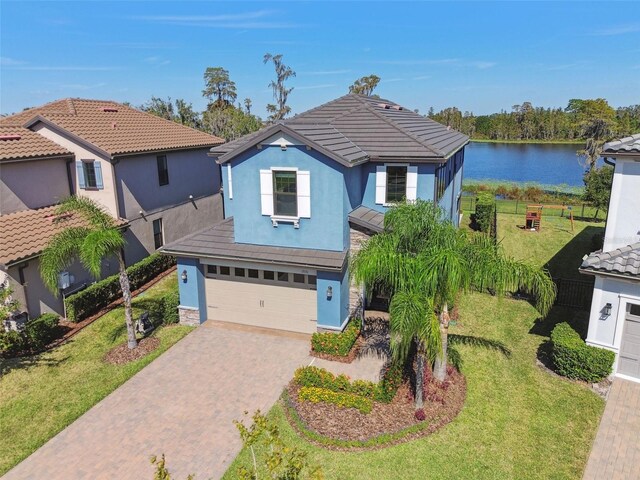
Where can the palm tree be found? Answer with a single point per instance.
(99, 237)
(441, 261)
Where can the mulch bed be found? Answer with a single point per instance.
(441, 406)
(122, 354)
(71, 328)
(350, 357)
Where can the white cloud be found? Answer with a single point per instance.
(80, 86)
(455, 62)
(156, 61)
(617, 30)
(391, 80)
(68, 68)
(9, 62)
(259, 19)
(422, 77)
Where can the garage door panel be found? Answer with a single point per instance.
(629, 361)
(269, 306)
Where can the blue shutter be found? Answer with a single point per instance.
(80, 174)
(98, 169)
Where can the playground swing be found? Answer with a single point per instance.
(533, 216)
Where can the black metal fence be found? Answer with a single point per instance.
(574, 293)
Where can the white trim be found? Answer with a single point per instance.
(303, 191)
(340, 328)
(266, 192)
(381, 184)
(411, 193)
(621, 314)
(257, 266)
(594, 343)
(284, 169)
(627, 377)
(184, 307)
(276, 219)
(229, 182)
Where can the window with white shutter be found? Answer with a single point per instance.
(412, 184)
(229, 183)
(266, 192)
(381, 184)
(304, 194)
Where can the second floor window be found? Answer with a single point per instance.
(163, 170)
(89, 175)
(158, 236)
(285, 193)
(396, 184)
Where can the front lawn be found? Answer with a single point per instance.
(518, 422)
(41, 395)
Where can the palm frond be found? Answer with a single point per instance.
(92, 212)
(60, 252)
(97, 245)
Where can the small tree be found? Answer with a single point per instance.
(100, 238)
(8, 304)
(219, 88)
(365, 85)
(280, 91)
(597, 187)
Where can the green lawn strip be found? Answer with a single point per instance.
(40, 396)
(555, 245)
(518, 422)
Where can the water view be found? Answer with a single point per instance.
(550, 164)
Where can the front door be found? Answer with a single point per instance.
(629, 361)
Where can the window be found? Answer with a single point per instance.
(268, 275)
(298, 278)
(253, 273)
(158, 237)
(212, 269)
(89, 173)
(441, 181)
(312, 279)
(239, 272)
(285, 193)
(283, 277)
(396, 184)
(225, 271)
(163, 170)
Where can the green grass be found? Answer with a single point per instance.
(555, 246)
(41, 395)
(518, 422)
(519, 207)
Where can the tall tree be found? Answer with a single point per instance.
(442, 262)
(596, 119)
(186, 115)
(182, 112)
(159, 107)
(91, 244)
(597, 187)
(365, 85)
(280, 109)
(247, 105)
(230, 122)
(219, 88)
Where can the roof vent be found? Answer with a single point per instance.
(114, 125)
(386, 106)
(109, 109)
(10, 137)
(448, 127)
(397, 107)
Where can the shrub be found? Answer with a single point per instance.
(11, 343)
(97, 296)
(340, 399)
(575, 359)
(337, 343)
(40, 331)
(383, 392)
(485, 208)
(170, 302)
(420, 415)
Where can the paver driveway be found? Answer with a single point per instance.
(615, 454)
(183, 405)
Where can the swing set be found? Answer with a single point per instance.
(533, 215)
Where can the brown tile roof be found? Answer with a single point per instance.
(115, 128)
(20, 143)
(25, 234)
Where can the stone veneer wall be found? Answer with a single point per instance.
(189, 316)
(356, 238)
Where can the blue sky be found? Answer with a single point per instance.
(478, 56)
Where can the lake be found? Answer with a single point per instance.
(550, 164)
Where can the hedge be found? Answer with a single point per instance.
(383, 392)
(337, 343)
(37, 334)
(340, 399)
(100, 294)
(485, 209)
(170, 302)
(573, 358)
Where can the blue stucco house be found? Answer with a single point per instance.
(301, 194)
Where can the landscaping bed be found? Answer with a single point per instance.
(123, 354)
(338, 347)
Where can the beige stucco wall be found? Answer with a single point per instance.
(106, 196)
(32, 184)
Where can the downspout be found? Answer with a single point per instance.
(119, 209)
(72, 186)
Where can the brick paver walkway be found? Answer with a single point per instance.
(183, 405)
(616, 451)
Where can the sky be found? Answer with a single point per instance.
(478, 56)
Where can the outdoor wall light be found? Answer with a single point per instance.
(329, 293)
(184, 275)
(607, 310)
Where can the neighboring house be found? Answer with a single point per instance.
(614, 322)
(150, 172)
(299, 195)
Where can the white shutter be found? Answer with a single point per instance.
(266, 192)
(381, 184)
(412, 184)
(229, 184)
(304, 194)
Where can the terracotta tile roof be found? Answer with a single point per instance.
(115, 128)
(20, 143)
(26, 233)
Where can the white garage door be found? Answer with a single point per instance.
(263, 305)
(629, 361)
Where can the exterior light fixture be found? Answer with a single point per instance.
(329, 293)
(607, 310)
(191, 197)
(184, 275)
(283, 147)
